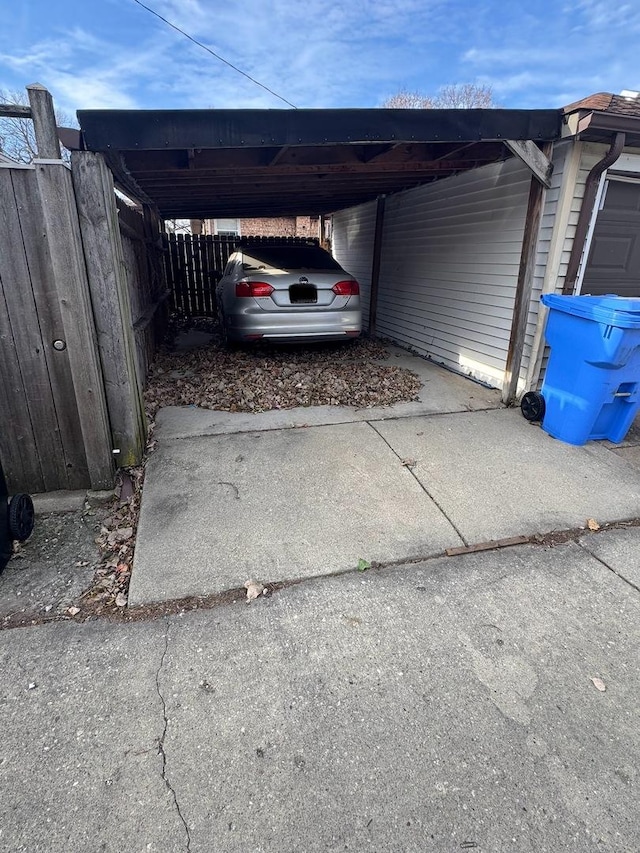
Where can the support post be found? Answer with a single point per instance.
(534, 159)
(570, 172)
(44, 122)
(522, 303)
(375, 264)
(98, 215)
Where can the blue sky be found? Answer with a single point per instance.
(317, 53)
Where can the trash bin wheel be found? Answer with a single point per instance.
(532, 406)
(21, 517)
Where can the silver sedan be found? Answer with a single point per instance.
(287, 292)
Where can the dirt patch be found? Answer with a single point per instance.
(265, 377)
(47, 574)
(76, 564)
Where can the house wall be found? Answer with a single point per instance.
(572, 163)
(352, 243)
(450, 259)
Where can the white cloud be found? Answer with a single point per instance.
(318, 54)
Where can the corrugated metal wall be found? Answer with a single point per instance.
(450, 258)
(352, 246)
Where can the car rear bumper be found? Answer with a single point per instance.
(292, 326)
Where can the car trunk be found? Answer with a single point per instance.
(306, 290)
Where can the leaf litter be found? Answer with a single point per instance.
(266, 377)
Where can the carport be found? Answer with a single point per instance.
(234, 163)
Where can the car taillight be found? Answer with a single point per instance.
(346, 288)
(253, 288)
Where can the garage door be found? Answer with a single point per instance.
(614, 258)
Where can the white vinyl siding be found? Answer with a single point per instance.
(560, 155)
(450, 259)
(352, 245)
(590, 154)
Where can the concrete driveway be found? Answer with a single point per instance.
(441, 706)
(307, 492)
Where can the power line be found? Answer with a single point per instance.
(217, 55)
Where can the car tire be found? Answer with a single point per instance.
(227, 342)
(21, 517)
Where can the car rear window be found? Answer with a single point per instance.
(288, 258)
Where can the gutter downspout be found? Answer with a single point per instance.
(584, 218)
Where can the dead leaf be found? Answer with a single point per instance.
(599, 684)
(264, 378)
(409, 463)
(121, 600)
(254, 589)
(73, 611)
(592, 524)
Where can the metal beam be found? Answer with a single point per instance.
(170, 129)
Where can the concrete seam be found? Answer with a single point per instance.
(500, 408)
(607, 566)
(161, 739)
(422, 486)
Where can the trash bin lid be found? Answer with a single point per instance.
(610, 309)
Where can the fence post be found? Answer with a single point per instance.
(44, 122)
(98, 214)
(61, 230)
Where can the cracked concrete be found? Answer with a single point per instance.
(429, 706)
(79, 762)
(161, 740)
(278, 505)
(312, 501)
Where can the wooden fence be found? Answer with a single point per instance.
(54, 429)
(195, 264)
(82, 307)
(144, 253)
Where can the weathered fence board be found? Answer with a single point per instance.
(194, 264)
(95, 197)
(49, 320)
(21, 313)
(60, 220)
(143, 252)
(41, 441)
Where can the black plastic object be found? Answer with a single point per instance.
(16, 520)
(532, 406)
(5, 539)
(21, 517)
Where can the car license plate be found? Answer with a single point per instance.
(303, 294)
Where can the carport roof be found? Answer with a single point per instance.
(232, 163)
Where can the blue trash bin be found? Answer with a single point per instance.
(591, 388)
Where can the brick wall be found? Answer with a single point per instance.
(280, 226)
